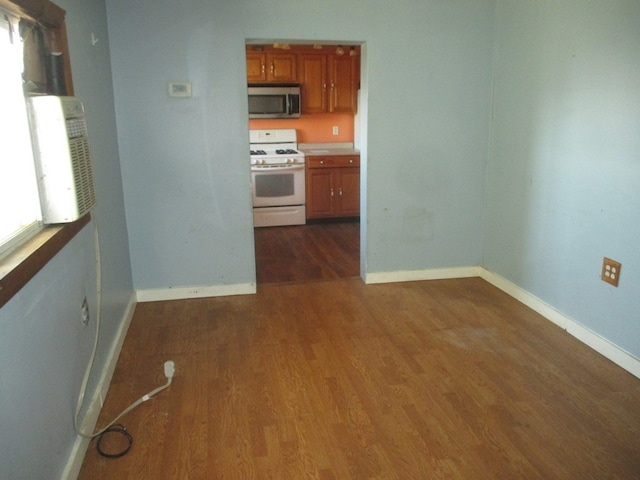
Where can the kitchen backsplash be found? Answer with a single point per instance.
(312, 128)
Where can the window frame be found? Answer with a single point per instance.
(20, 265)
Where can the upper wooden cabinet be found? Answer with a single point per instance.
(313, 76)
(343, 83)
(273, 67)
(329, 82)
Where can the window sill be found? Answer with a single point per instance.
(20, 266)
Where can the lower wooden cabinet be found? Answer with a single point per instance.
(333, 186)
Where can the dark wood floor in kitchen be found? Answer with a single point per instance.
(305, 253)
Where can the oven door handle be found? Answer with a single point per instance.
(275, 168)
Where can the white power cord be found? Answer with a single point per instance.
(169, 371)
(169, 365)
(87, 373)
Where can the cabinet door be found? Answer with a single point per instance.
(282, 67)
(256, 67)
(349, 191)
(319, 192)
(271, 67)
(343, 83)
(313, 82)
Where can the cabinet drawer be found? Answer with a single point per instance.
(332, 162)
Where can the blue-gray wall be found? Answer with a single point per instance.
(502, 134)
(563, 182)
(185, 164)
(43, 346)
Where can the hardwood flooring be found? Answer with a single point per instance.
(305, 253)
(336, 379)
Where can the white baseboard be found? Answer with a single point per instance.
(76, 457)
(415, 275)
(180, 293)
(531, 301)
(604, 347)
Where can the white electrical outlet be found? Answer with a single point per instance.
(336, 129)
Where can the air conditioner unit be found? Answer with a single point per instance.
(62, 158)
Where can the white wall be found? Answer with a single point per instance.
(44, 348)
(563, 182)
(185, 161)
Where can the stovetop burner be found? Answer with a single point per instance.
(274, 147)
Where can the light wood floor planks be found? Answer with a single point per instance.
(339, 380)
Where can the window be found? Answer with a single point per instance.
(18, 266)
(18, 188)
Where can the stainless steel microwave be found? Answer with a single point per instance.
(274, 101)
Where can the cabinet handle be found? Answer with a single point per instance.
(273, 68)
(350, 160)
(340, 191)
(321, 162)
(262, 67)
(324, 85)
(332, 191)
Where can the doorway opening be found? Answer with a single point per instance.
(329, 74)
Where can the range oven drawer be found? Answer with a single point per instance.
(279, 216)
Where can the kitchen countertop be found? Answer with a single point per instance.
(314, 149)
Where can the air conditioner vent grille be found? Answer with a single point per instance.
(76, 127)
(82, 174)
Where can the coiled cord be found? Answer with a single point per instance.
(169, 370)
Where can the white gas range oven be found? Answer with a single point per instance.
(277, 178)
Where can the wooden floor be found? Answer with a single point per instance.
(305, 253)
(335, 379)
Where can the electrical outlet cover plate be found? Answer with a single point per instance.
(611, 271)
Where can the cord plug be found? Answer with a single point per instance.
(169, 368)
